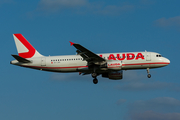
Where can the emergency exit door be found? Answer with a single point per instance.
(43, 61)
(148, 56)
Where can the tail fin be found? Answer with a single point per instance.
(24, 48)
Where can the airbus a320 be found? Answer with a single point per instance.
(108, 65)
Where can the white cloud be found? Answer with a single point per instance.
(69, 77)
(151, 115)
(168, 22)
(138, 81)
(142, 86)
(114, 9)
(161, 108)
(55, 5)
(120, 101)
(156, 104)
(83, 7)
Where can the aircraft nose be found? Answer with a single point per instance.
(167, 61)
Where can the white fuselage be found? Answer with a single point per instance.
(75, 63)
(109, 65)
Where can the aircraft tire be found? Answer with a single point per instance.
(149, 75)
(95, 81)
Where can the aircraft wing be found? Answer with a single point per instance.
(87, 54)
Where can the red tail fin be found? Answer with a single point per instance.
(24, 48)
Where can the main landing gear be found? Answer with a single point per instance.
(94, 75)
(149, 75)
(95, 81)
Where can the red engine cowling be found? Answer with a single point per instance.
(114, 65)
(114, 75)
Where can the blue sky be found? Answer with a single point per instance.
(101, 26)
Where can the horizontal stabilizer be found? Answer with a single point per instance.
(20, 59)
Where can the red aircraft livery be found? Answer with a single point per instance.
(128, 56)
(108, 65)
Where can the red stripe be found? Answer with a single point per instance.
(87, 66)
(57, 67)
(31, 49)
(114, 67)
(145, 63)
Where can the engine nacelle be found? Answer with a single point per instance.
(114, 75)
(114, 65)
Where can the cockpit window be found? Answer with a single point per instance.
(158, 55)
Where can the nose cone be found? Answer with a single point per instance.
(167, 61)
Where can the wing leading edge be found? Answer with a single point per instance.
(87, 54)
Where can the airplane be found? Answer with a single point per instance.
(108, 65)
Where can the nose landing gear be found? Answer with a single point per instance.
(149, 75)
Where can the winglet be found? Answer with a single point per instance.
(71, 43)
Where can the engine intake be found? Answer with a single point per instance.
(114, 75)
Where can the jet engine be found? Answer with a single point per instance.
(114, 75)
(114, 65)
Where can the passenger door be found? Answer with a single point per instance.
(43, 61)
(148, 56)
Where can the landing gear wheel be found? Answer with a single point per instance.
(149, 75)
(95, 81)
(94, 75)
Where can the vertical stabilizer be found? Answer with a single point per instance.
(24, 48)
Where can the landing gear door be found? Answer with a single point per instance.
(43, 61)
(148, 56)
